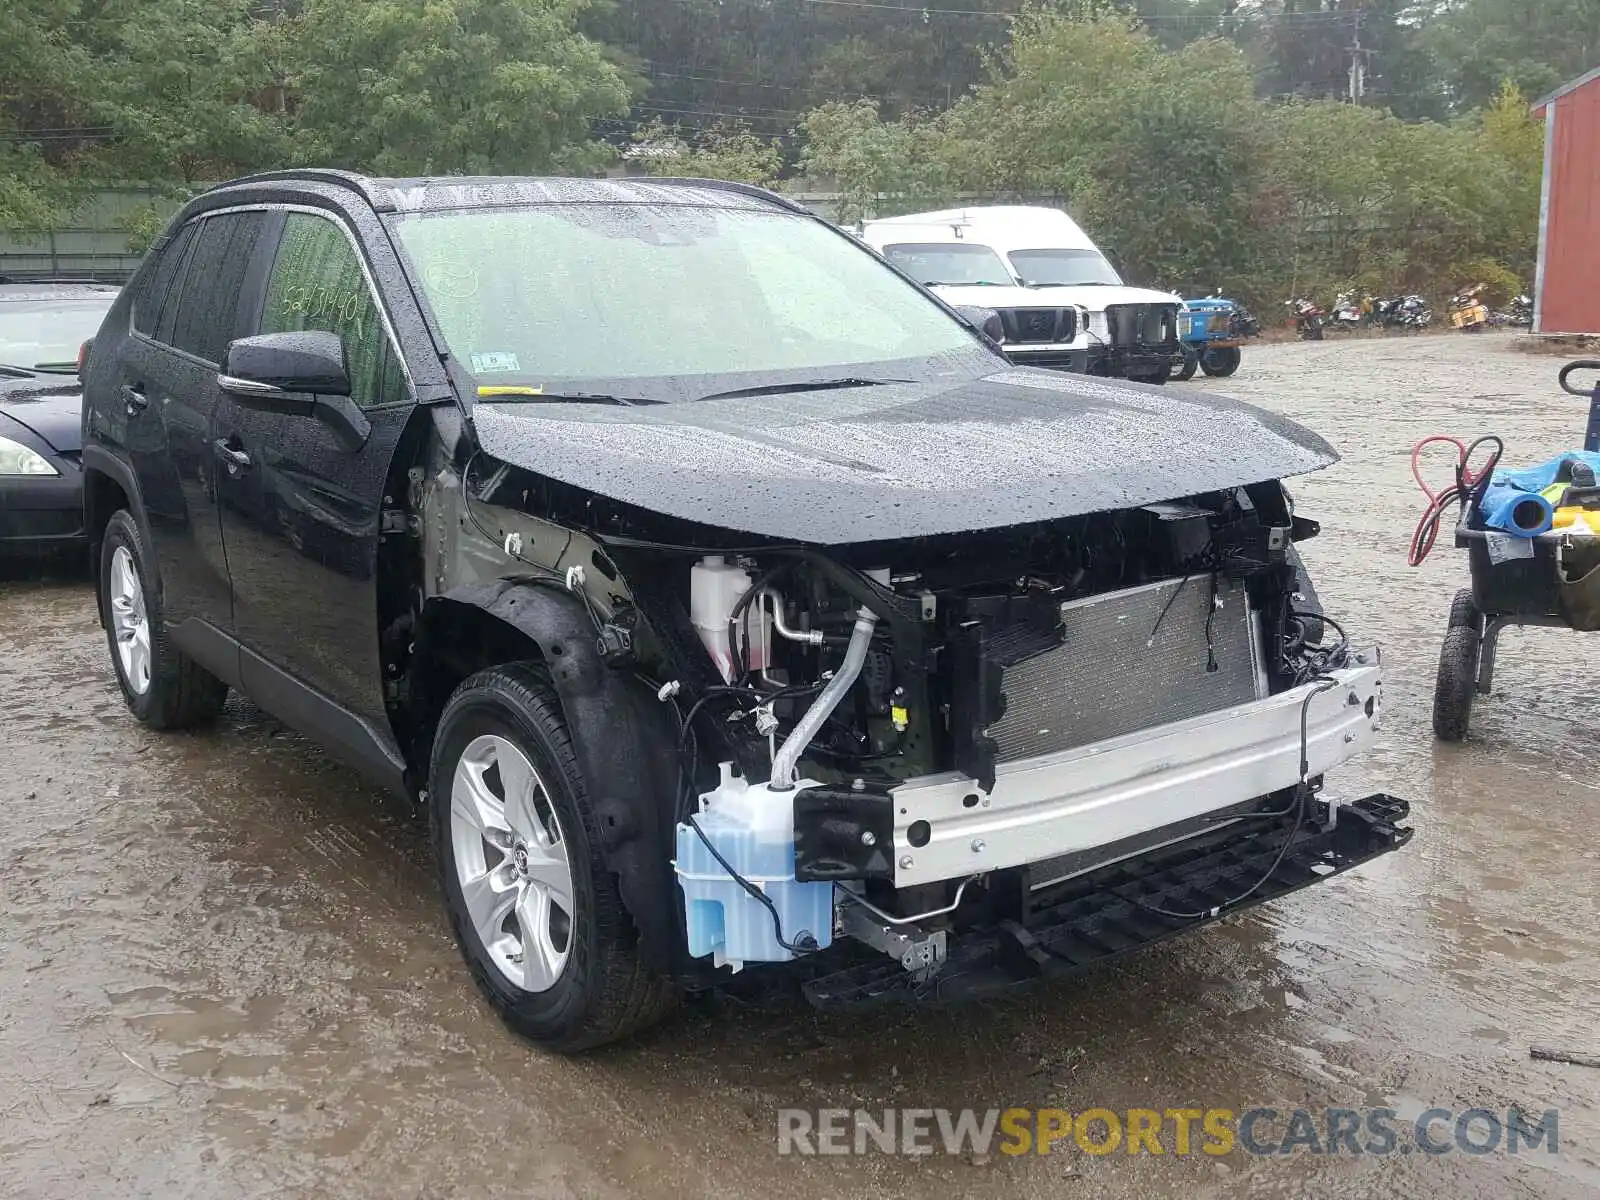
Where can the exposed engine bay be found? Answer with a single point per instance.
(936, 653)
(847, 715)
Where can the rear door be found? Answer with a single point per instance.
(302, 540)
(183, 319)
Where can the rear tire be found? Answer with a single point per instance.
(1184, 371)
(1221, 362)
(1149, 379)
(558, 961)
(162, 688)
(1457, 683)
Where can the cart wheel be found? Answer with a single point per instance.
(1457, 682)
(1464, 612)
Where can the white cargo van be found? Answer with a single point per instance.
(1061, 303)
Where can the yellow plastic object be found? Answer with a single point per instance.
(1581, 521)
(509, 390)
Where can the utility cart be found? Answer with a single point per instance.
(1551, 579)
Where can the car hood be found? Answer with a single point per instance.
(904, 460)
(993, 296)
(50, 405)
(1095, 297)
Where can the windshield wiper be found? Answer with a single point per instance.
(56, 368)
(805, 385)
(532, 397)
(18, 370)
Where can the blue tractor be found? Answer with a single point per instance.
(1212, 330)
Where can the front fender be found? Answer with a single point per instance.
(625, 742)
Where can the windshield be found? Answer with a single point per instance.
(629, 291)
(1063, 268)
(966, 264)
(47, 334)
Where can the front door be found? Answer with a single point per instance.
(302, 538)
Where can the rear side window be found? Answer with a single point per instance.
(158, 285)
(208, 309)
(317, 283)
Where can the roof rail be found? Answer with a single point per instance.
(360, 184)
(729, 185)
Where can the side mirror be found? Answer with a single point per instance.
(300, 374)
(311, 362)
(985, 320)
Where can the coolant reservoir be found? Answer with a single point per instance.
(715, 586)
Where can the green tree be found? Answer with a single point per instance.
(1476, 45)
(877, 166)
(1350, 195)
(416, 86)
(1151, 149)
(179, 90)
(721, 152)
(765, 61)
(1511, 132)
(41, 132)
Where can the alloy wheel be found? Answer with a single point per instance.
(512, 863)
(129, 621)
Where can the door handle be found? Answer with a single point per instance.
(235, 460)
(134, 399)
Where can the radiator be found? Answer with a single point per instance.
(1103, 680)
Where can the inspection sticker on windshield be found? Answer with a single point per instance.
(494, 360)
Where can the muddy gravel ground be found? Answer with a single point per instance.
(224, 969)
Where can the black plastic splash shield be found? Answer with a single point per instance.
(1107, 913)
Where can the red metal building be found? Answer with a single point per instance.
(1566, 290)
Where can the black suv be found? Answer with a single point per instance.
(725, 598)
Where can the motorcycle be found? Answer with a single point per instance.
(1402, 312)
(1243, 323)
(1468, 312)
(1308, 319)
(1351, 310)
(1518, 314)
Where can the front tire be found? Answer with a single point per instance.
(161, 686)
(1464, 611)
(1221, 362)
(538, 918)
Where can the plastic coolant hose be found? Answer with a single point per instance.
(1514, 511)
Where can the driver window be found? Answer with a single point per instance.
(317, 283)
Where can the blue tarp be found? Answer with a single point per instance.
(1513, 502)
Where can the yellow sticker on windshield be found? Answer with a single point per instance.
(508, 390)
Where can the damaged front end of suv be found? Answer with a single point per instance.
(895, 707)
(941, 677)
